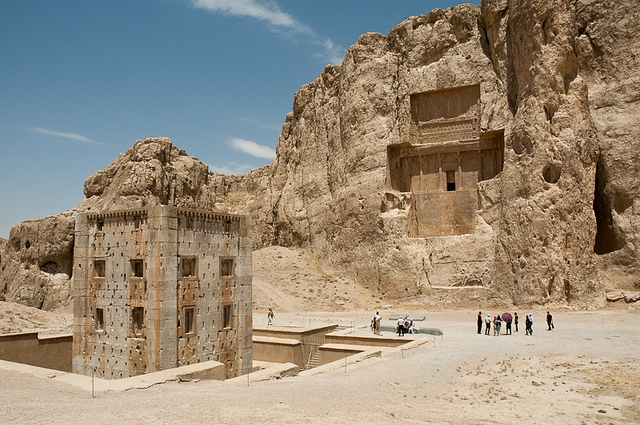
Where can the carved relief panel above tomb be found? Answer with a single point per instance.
(445, 115)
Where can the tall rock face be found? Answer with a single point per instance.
(344, 164)
(475, 155)
(608, 50)
(546, 224)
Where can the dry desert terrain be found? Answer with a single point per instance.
(586, 371)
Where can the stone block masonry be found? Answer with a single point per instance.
(161, 287)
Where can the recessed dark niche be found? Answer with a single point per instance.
(551, 173)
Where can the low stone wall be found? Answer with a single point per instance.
(51, 352)
(309, 348)
(277, 350)
(296, 345)
(368, 341)
(333, 352)
(295, 333)
(207, 370)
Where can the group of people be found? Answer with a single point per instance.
(497, 323)
(404, 325)
(508, 319)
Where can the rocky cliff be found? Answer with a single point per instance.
(36, 262)
(608, 48)
(473, 155)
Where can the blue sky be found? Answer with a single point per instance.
(81, 81)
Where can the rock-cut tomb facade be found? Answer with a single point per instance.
(437, 170)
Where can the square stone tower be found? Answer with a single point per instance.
(161, 287)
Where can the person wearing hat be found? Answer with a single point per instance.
(400, 326)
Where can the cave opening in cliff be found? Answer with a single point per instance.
(50, 267)
(608, 239)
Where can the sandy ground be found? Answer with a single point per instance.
(293, 280)
(586, 371)
(20, 318)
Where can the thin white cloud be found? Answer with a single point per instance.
(270, 12)
(231, 168)
(70, 136)
(261, 125)
(334, 54)
(252, 148)
(266, 11)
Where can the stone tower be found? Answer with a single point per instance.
(160, 287)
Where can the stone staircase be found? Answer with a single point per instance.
(314, 357)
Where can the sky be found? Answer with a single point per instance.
(82, 80)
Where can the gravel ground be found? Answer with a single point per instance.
(584, 372)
